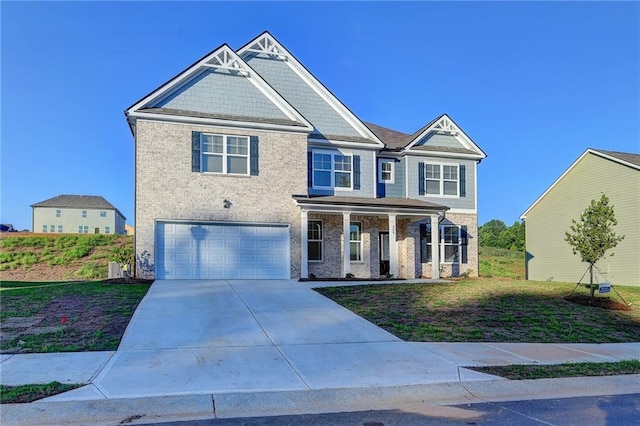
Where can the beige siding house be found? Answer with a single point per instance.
(77, 214)
(548, 256)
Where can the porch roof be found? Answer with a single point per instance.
(373, 205)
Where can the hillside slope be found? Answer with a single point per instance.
(58, 257)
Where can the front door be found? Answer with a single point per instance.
(384, 253)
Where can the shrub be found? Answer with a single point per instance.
(92, 270)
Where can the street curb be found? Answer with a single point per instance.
(252, 404)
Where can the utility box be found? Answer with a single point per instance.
(115, 271)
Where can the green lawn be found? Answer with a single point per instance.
(30, 393)
(581, 369)
(59, 317)
(490, 310)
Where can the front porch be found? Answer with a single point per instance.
(382, 237)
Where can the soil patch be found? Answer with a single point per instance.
(599, 302)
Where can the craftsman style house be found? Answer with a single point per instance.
(248, 167)
(77, 214)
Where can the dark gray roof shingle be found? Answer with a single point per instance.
(78, 202)
(624, 156)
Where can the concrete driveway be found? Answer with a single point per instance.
(229, 336)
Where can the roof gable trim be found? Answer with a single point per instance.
(222, 58)
(265, 43)
(445, 125)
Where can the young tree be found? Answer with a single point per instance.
(593, 234)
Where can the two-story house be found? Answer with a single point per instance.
(77, 214)
(247, 166)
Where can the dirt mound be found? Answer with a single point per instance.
(599, 302)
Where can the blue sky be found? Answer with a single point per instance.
(533, 83)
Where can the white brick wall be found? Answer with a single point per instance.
(166, 188)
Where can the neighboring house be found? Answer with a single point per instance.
(7, 227)
(77, 214)
(596, 172)
(129, 230)
(247, 166)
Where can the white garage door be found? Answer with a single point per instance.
(221, 251)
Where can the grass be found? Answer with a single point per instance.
(489, 310)
(522, 372)
(30, 393)
(63, 317)
(496, 262)
(24, 252)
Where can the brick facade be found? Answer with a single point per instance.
(167, 188)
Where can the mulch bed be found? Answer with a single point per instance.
(599, 302)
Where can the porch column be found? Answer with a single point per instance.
(304, 244)
(435, 247)
(346, 232)
(393, 247)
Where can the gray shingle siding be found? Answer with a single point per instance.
(441, 140)
(298, 93)
(218, 93)
(395, 189)
(466, 202)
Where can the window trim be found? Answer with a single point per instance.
(321, 240)
(84, 214)
(103, 213)
(333, 171)
(58, 212)
(392, 163)
(359, 242)
(442, 245)
(225, 154)
(60, 228)
(107, 230)
(442, 180)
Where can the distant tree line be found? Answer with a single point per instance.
(496, 234)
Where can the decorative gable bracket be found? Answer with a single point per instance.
(267, 45)
(226, 59)
(444, 126)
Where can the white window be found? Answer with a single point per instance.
(84, 214)
(58, 213)
(107, 230)
(44, 228)
(355, 241)
(83, 229)
(59, 228)
(52, 228)
(103, 213)
(452, 245)
(386, 171)
(332, 170)
(441, 179)
(225, 154)
(315, 240)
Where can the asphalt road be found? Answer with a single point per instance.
(584, 411)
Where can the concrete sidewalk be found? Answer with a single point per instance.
(275, 347)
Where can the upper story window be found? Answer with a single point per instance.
(84, 214)
(58, 213)
(386, 171)
(332, 170)
(103, 213)
(439, 179)
(225, 154)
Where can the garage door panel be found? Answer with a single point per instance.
(221, 251)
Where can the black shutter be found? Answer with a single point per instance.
(421, 178)
(463, 181)
(253, 155)
(464, 241)
(309, 169)
(195, 152)
(356, 172)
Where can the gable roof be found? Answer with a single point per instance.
(623, 158)
(332, 120)
(221, 64)
(393, 139)
(78, 202)
(446, 126)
